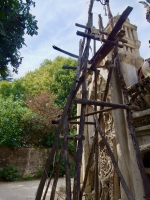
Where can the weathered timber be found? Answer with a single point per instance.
(69, 67)
(50, 178)
(105, 104)
(78, 122)
(72, 94)
(96, 184)
(66, 52)
(92, 113)
(76, 191)
(86, 27)
(54, 185)
(145, 179)
(89, 163)
(73, 137)
(67, 164)
(106, 48)
(123, 183)
(92, 36)
(79, 61)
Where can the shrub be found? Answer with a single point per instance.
(10, 173)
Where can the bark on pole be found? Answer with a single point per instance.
(67, 165)
(76, 192)
(56, 139)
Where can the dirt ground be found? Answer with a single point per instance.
(25, 190)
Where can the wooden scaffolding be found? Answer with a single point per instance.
(112, 43)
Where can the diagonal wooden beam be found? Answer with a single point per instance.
(106, 48)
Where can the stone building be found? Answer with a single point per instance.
(115, 126)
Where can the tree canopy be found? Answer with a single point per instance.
(29, 104)
(48, 77)
(15, 21)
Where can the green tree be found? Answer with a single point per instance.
(19, 126)
(15, 90)
(52, 78)
(15, 21)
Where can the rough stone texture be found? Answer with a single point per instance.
(115, 127)
(27, 160)
(140, 94)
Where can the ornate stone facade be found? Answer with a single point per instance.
(115, 128)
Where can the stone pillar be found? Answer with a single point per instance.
(130, 33)
(126, 30)
(120, 131)
(135, 34)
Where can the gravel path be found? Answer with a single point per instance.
(23, 190)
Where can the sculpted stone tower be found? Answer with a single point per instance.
(129, 54)
(115, 126)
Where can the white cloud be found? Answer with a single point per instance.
(56, 21)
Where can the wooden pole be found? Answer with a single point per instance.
(66, 52)
(77, 175)
(56, 139)
(92, 113)
(54, 185)
(105, 104)
(90, 159)
(67, 165)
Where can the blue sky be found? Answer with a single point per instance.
(56, 22)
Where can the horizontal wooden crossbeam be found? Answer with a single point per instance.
(66, 52)
(91, 36)
(57, 122)
(105, 104)
(87, 27)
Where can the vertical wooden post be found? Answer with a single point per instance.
(76, 193)
(52, 197)
(67, 165)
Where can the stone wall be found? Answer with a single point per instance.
(26, 160)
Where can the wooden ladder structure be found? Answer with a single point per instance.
(109, 44)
